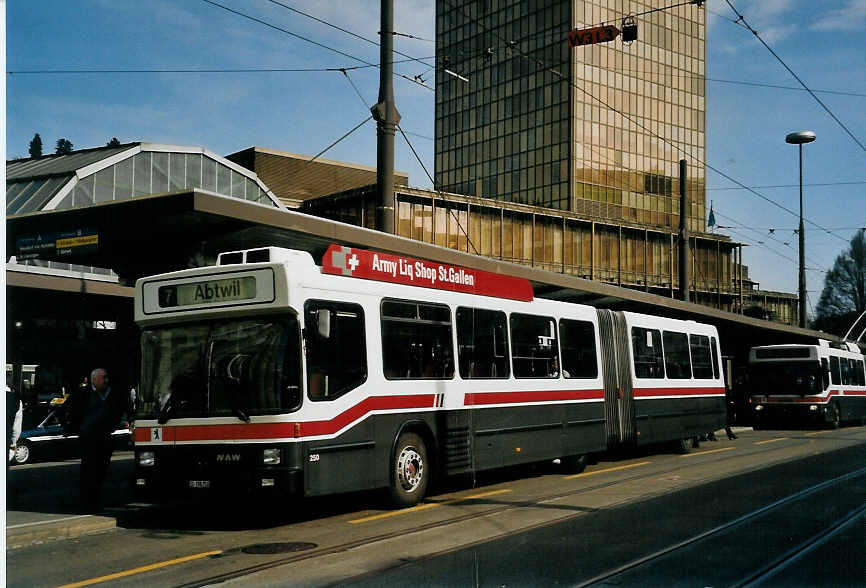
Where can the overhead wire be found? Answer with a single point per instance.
(821, 184)
(450, 209)
(540, 64)
(326, 149)
(196, 70)
(742, 19)
(770, 237)
(308, 40)
(348, 32)
(418, 157)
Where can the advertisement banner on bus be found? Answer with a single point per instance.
(398, 269)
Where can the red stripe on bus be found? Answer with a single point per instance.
(361, 409)
(814, 399)
(691, 391)
(481, 398)
(250, 431)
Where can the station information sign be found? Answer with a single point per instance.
(57, 244)
(398, 269)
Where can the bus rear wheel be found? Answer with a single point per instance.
(410, 472)
(575, 464)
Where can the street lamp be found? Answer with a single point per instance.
(799, 138)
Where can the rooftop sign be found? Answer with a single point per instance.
(397, 269)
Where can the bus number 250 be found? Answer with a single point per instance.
(314, 457)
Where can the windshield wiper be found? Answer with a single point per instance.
(242, 415)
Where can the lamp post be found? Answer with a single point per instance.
(799, 138)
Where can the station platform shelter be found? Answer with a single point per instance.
(81, 228)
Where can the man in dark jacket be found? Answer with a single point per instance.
(93, 413)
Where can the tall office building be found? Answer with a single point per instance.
(568, 158)
(596, 130)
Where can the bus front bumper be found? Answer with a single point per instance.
(766, 413)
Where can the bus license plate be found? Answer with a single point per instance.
(199, 483)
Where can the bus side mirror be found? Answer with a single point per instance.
(323, 323)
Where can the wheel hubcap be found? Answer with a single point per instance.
(410, 469)
(22, 452)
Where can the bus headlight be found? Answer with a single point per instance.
(759, 407)
(146, 459)
(271, 456)
(813, 407)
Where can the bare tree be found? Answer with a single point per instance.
(845, 284)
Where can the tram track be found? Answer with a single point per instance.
(804, 548)
(493, 511)
(620, 574)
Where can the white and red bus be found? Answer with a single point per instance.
(823, 383)
(270, 373)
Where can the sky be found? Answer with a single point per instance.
(306, 111)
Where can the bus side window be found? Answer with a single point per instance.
(534, 346)
(336, 349)
(835, 377)
(647, 353)
(481, 343)
(416, 341)
(715, 353)
(677, 363)
(825, 373)
(702, 362)
(578, 349)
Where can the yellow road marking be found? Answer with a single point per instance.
(142, 569)
(616, 469)
(816, 433)
(427, 506)
(771, 440)
(707, 452)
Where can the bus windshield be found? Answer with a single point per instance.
(786, 377)
(222, 368)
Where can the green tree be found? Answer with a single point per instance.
(113, 143)
(64, 146)
(844, 290)
(36, 146)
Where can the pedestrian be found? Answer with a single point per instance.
(14, 414)
(93, 413)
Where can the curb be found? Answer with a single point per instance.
(57, 529)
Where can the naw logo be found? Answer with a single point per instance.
(228, 457)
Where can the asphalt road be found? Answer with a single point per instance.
(532, 526)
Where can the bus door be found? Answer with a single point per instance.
(619, 413)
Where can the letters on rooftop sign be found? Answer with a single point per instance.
(397, 269)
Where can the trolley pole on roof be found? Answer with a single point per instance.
(387, 118)
(684, 236)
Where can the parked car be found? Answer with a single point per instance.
(46, 441)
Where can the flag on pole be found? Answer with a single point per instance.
(711, 222)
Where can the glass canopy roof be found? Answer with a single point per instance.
(92, 176)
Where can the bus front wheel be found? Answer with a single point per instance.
(835, 417)
(410, 472)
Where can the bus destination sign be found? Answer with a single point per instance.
(398, 269)
(208, 292)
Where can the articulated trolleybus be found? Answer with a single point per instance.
(269, 373)
(823, 383)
